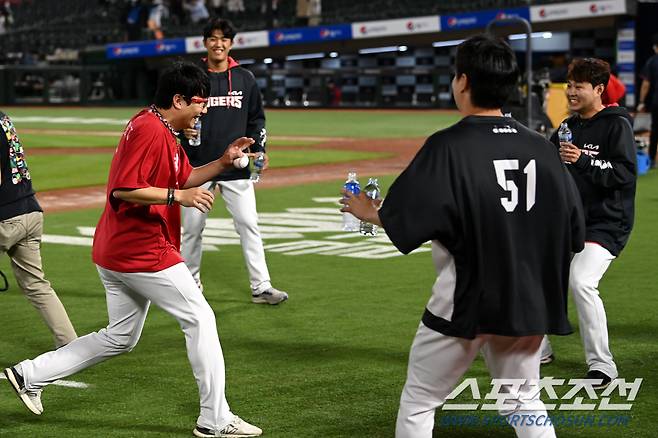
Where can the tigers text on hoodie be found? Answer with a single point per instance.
(235, 109)
(605, 174)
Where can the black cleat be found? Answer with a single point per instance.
(599, 376)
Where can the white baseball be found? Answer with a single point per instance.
(242, 162)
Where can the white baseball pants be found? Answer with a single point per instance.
(587, 269)
(129, 296)
(437, 362)
(240, 199)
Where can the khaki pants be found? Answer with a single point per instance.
(20, 238)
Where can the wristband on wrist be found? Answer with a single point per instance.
(170, 196)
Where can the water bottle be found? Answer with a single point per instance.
(350, 222)
(259, 162)
(196, 141)
(564, 135)
(372, 191)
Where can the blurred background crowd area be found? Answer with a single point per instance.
(78, 24)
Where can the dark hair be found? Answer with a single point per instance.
(225, 26)
(593, 70)
(184, 78)
(654, 39)
(491, 69)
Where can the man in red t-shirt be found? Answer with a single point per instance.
(137, 253)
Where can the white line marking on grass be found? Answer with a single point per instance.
(67, 240)
(65, 383)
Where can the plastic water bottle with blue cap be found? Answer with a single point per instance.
(350, 222)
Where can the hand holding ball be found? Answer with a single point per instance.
(242, 162)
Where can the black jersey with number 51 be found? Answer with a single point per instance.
(503, 216)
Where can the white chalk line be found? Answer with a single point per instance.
(65, 383)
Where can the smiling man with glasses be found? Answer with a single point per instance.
(136, 252)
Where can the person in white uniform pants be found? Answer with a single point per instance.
(602, 160)
(503, 216)
(235, 109)
(136, 251)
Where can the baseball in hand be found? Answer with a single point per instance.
(242, 162)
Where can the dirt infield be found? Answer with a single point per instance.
(402, 151)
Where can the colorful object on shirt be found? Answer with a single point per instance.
(17, 163)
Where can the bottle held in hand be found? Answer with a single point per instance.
(196, 141)
(372, 191)
(564, 135)
(258, 164)
(350, 222)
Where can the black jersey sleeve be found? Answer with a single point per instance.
(618, 169)
(256, 118)
(420, 205)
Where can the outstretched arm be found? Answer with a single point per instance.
(206, 172)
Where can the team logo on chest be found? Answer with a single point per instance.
(232, 100)
(590, 149)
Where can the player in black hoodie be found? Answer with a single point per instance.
(235, 109)
(601, 159)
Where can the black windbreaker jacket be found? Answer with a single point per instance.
(605, 174)
(235, 109)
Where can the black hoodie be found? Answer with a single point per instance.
(235, 109)
(605, 174)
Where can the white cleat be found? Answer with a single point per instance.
(237, 428)
(31, 399)
(269, 296)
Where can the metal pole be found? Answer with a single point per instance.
(528, 55)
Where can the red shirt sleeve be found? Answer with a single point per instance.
(136, 159)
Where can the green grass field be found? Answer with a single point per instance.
(330, 362)
(43, 128)
(81, 170)
(322, 123)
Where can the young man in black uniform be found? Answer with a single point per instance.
(503, 216)
(601, 159)
(235, 109)
(21, 225)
